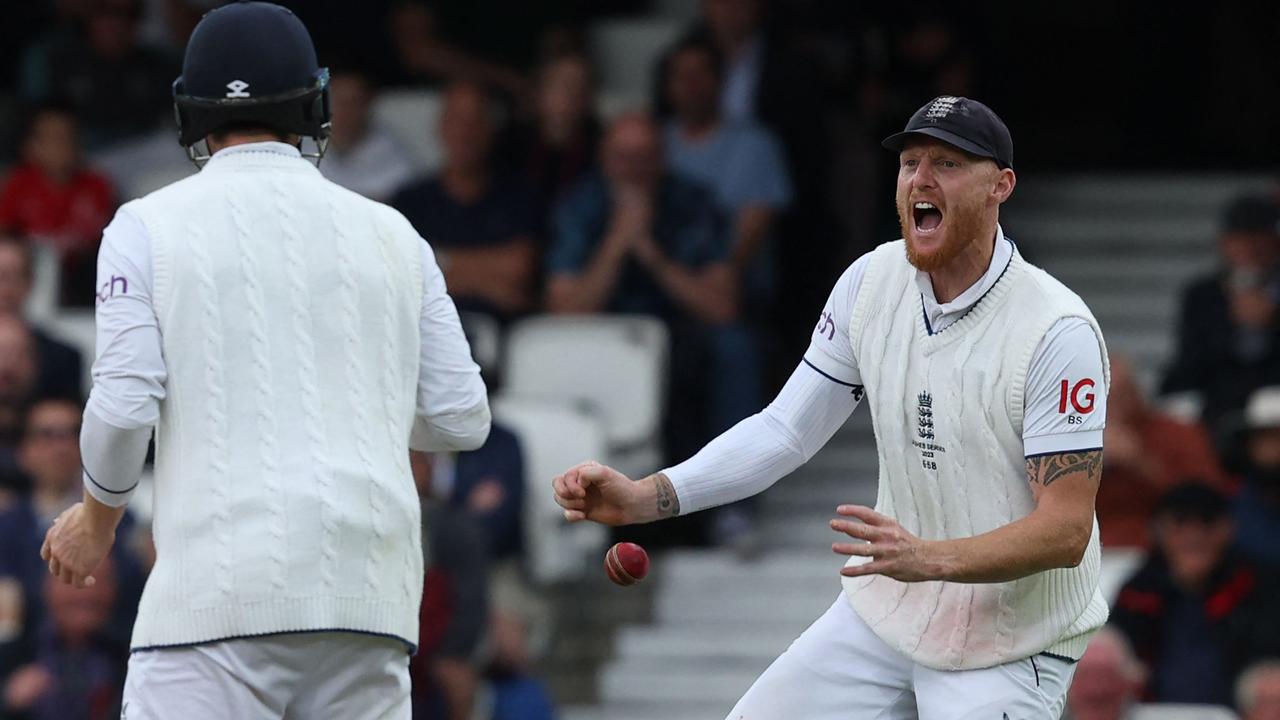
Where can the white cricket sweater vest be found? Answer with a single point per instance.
(947, 409)
(289, 311)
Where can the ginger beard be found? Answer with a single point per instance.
(959, 226)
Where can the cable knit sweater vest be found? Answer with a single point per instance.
(289, 313)
(947, 410)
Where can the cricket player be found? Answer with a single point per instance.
(972, 587)
(290, 341)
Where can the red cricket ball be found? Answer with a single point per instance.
(626, 563)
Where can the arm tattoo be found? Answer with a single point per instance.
(668, 503)
(1045, 469)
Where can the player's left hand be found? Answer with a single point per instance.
(894, 552)
(75, 546)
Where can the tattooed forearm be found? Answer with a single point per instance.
(668, 503)
(1046, 469)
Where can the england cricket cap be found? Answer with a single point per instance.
(964, 123)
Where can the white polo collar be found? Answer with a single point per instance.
(942, 315)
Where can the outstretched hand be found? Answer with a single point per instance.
(591, 491)
(894, 552)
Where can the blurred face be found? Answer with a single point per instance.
(1249, 251)
(1101, 689)
(349, 99)
(17, 361)
(15, 278)
(50, 451)
(1264, 447)
(564, 93)
(632, 153)
(732, 20)
(1193, 546)
(693, 88)
(80, 613)
(945, 198)
(52, 145)
(466, 128)
(1266, 697)
(1124, 401)
(113, 27)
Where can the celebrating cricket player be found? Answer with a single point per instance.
(972, 587)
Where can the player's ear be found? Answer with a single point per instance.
(1005, 180)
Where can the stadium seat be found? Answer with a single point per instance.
(625, 51)
(42, 305)
(77, 328)
(554, 436)
(1118, 565)
(411, 116)
(614, 365)
(1177, 711)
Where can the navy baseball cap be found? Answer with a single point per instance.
(964, 123)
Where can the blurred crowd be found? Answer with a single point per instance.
(725, 207)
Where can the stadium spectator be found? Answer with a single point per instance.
(455, 603)
(1145, 453)
(479, 222)
(1198, 612)
(1258, 691)
(118, 87)
(425, 53)
(59, 365)
(1228, 330)
(740, 161)
(488, 484)
(362, 157)
(1257, 507)
(49, 455)
(79, 667)
(554, 149)
(641, 239)
(54, 199)
(1107, 681)
(18, 378)
(772, 77)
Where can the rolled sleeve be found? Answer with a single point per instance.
(453, 405)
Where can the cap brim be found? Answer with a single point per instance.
(897, 141)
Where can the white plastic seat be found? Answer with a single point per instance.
(1118, 565)
(553, 437)
(615, 365)
(412, 116)
(77, 328)
(1178, 711)
(625, 51)
(42, 303)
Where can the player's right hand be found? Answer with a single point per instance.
(591, 491)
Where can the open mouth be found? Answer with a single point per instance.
(927, 217)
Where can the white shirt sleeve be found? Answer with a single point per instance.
(831, 349)
(757, 452)
(1065, 406)
(128, 371)
(453, 404)
(818, 398)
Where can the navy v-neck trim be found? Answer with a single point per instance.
(928, 327)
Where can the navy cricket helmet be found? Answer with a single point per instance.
(247, 64)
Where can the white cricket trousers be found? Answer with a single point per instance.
(839, 669)
(292, 676)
